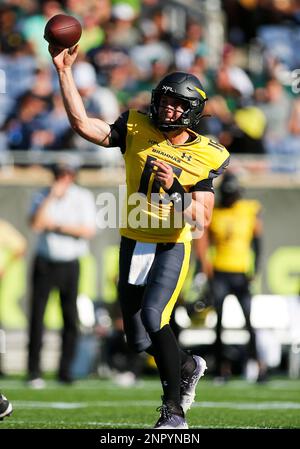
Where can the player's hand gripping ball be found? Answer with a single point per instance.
(62, 31)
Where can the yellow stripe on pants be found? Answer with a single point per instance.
(166, 314)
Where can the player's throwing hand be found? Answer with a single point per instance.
(63, 58)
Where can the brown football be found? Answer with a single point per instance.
(62, 31)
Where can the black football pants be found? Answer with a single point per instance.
(47, 275)
(147, 309)
(223, 284)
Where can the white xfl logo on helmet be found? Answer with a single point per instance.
(167, 88)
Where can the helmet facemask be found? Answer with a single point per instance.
(188, 119)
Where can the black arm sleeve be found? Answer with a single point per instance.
(206, 185)
(118, 132)
(256, 246)
(214, 173)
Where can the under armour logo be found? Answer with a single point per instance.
(176, 197)
(186, 156)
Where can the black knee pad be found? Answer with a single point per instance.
(151, 319)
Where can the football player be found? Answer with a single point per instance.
(169, 173)
(235, 231)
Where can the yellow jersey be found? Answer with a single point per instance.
(146, 216)
(232, 231)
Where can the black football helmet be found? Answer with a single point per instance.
(185, 87)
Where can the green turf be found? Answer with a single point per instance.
(96, 404)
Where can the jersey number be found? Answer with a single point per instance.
(216, 145)
(146, 176)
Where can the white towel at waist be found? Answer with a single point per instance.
(141, 262)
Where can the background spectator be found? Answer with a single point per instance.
(64, 217)
(235, 229)
(244, 53)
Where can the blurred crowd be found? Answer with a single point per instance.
(244, 52)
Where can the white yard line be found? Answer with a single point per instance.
(270, 405)
(74, 405)
(68, 424)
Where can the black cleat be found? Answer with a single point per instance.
(171, 417)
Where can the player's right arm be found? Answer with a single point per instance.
(92, 129)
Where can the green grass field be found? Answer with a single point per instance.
(97, 404)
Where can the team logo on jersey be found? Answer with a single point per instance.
(164, 154)
(186, 156)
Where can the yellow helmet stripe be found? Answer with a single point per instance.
(201, 92)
